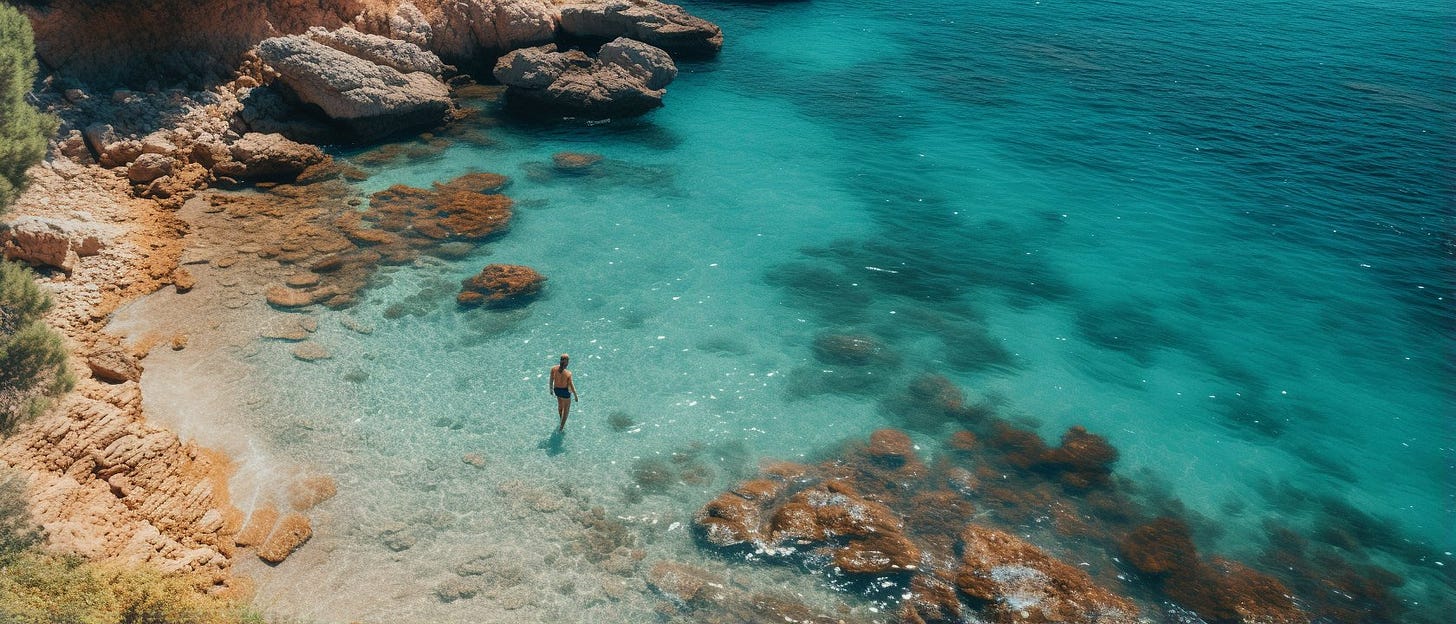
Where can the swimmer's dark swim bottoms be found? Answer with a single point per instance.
(563, 393)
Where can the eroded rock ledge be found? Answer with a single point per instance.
(201, 42)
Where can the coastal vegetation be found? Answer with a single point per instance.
(23, 129)
(38, 587)
(32, 356)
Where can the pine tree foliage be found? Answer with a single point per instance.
(23, 129)
(32, 356)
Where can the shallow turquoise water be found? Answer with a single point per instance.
(1218, 235)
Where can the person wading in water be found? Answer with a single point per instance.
(564, 389)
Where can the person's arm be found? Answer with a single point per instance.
(571, 383)
(551, 380)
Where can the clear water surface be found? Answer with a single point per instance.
(1220, 235)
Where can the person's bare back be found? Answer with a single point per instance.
(564, 390)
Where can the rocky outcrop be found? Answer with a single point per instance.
(625, 80)
(258, 156)
(1219, 590)
(651, 64)
(112, 364)
(170, 39)
(401, 55)
(880, 515)
(368, 98)
(501, 285)
(106, 485)
(1015, 581)
(204, 42)
(467, 30)
(666, 26)
(51, 241)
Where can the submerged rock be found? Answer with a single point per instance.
(290, 534)
(500, 285)
(1015, 581)
(574, 162)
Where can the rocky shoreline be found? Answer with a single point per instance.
(102, 216)
(222, 199)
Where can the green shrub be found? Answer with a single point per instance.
(17, 531)
(23, 130)
(39, 588)
(32, 356)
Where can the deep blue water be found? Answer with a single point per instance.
(1220, 235)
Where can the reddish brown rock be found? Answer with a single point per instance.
(574, 162)
(302, 279)
(473, 216)
(475, 182)
(183, 280)
(1019, 447)
(282, 296)
(1014, 581)
(756, 489)
(891, 447)
(964, 441)
(1163, 546)
(729, 520)
(931, 601)
(290, 534)
(464, 208)
(114, 365)
(260, 524)
(878, 554)
(682, 583)
(796, 521)
(1218, 591)
(304, 494)
(1083, 460)
(501, 285)
(936, 517)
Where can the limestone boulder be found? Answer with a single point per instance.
(665, 26)
(401, 55)
(408, 23)
(544, 79)
(501, 285)
(464, 30)
(653, 65)
(110, 149)
(149, 166)
(534, 68)
(114, 365)
(259, 156)
(366, 97)
(53, 242)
